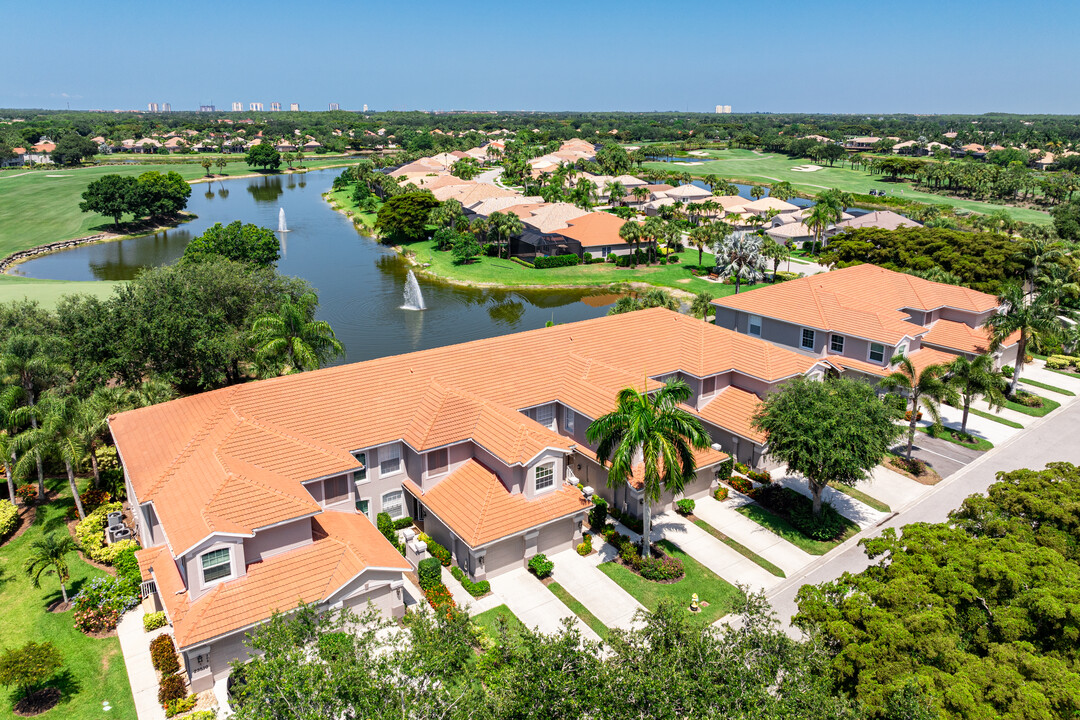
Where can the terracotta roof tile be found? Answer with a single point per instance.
(733, 408)
(962, 337)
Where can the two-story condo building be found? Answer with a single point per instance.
(251, 498)
(859, 318)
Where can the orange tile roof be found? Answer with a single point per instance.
(733, 408)
(962, 337)
(846, 363)
(595, 229)
(233, 460)
(474, 503)
(925, 357)
(345, 545)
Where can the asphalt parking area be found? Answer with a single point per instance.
(942, 455)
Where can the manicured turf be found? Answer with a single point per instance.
(996, 418)
(980, 444)
(49, 292)
(739, 548)
(41, 209)
(860, 496)
(783, 528)
(1048, 406)
(720, 594)
(343, 199)
(755, 167)
(506, 272)
(1051, 388)
(95, 668)
(488, 621)
(580, 610)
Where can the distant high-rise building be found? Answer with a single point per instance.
(238, 107)
(151, 107)
(365, 107)
(294, 107)
(275, 107)
(255, 107)
(166, 107)
(207, 108)
(334, 106)
(723, 109)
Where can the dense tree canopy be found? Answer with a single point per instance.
(405, 216)
(982, 261)
(151, 194)
(72, 148)
(982, 612)
(235, 241)
(264, 156)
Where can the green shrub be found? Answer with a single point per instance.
(386, 526)
(1026, 399)
(205, 714)
(685, 506)
(540, 566)
(437, 550)
(556, 261)
(9, 518)
(153, 621)
(585, 546)
(899, 403)
(742, 468)
(519, 261)
(175, 707)
(90, 533)
(429, 572)
(783, 276)
(741, 484)
(403, 523)
(660, 568)
(1007, 371)
(171, 688)
(723, 470)
(827, 526)
(163, 655)
(586, 257)
(761, 476)
(127, 569)
(30, 666)
(598, 514)
(1061, 362)
(476, 589)
(721, 493)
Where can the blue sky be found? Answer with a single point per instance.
(779, 56)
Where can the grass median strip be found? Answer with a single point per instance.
(861, 497)
(580, 610)
(1048, 406)
(980, 444)
(776, 524)
(710, 587)
(739, 548)
(1051, 388)
(996, 418)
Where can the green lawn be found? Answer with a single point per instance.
(580, 610)
(343, 199)
(860, 496)
(789, 532)
(720, 594)
(754, 167)
(488, 621)
(49, 292)
(739, 548)
(42, 206)
(1048, 406)
(500, 271)
(996, 418)
(981, 444)
(1051, 388)
(95, 668)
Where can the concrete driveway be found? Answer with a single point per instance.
(746, 532)
(534, 604)
(601, 595)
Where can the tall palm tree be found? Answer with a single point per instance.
(630, 232)
(291, 340)
(976, 378)
(653, 431)
(757, 192)
(7, 457)
(505, 225)
(1037, 253)
(776, 252)
(652, 231)
(48, 555)
(61, 435)
(640, 194)
(782, 191)
(818, 220)
(616, 191)
(92, 420)
(739, 255)
(926, 387)
(27, 367)
(701, 237)
(1016, 314)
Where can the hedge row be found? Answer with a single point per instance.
(9, 518)
(556, 261)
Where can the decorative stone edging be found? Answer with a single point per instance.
(18, 257)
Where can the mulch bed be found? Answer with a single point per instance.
(60, 606)
(930, 477)
(37, 702)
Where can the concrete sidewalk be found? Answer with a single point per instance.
(711, 553)
(892, 488)
(601, 595)
(535, 605)
(743, 530)
(135, 645)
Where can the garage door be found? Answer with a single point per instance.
(555, 537)
(504, 556)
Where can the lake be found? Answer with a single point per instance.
(360, 282)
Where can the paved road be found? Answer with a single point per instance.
(945, 457)
(1048, 439)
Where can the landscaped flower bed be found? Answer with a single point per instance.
(661, 567)
(798, 509)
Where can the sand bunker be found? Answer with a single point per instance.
(698, 153)
(688, 164)
(57, 176)
(807, 168)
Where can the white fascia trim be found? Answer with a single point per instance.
(212, 535)
(332, 475)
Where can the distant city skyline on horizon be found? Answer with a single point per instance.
(835, 57)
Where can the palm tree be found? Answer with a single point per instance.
(206, 165)
(702, 306)
(630, 232)
(505, 225)
(652, 231)
(640, 194)
(818, 220)
(447, 213)
(61, 435)
(221, 164)
(616, 191)
(976, 378)
(7, 456)
(1015, 314)
(1038, 252)
(654, 431)
(49, 555)
(291, 340)
(775, 251)
(757, 192)
(925, 386)
(27, 366)
(152, 391)
(739, 255)
(700, 238)
(92, 421)
(782, 191)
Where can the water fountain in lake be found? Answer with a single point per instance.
(281, 226)
(414, 299)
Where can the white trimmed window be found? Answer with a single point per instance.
(569, 421)
(808, 339)
(836, 343)
(753, 325)
(393, 504)
(545, 415)
(389, 459)
(438, 461)
(877, 352)
(363, 506)
(902, 350)
(216, 565)
(544, 476)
